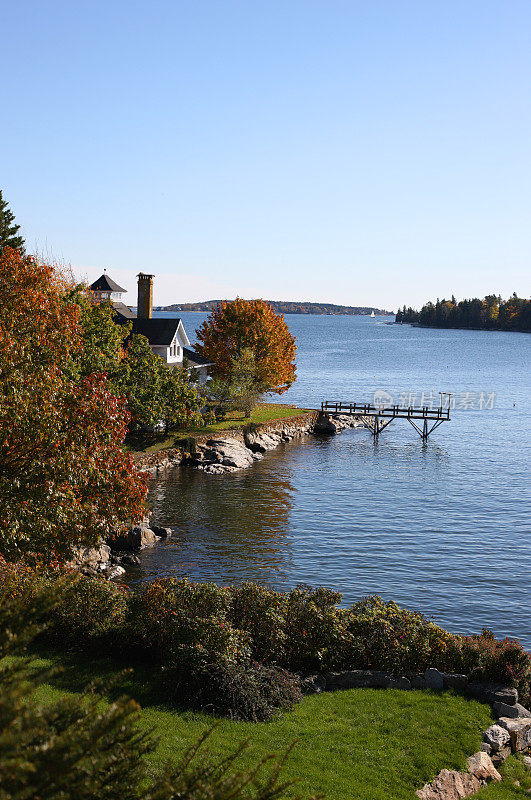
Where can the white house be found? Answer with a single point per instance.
(166, 335)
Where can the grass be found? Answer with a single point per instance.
(363, 744)
(262, 413)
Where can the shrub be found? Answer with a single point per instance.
(383, 636)
(261, 612)
(185, 627)
(250, 691)
(92, 610)
(315, 629)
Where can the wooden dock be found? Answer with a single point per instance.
(376, 418)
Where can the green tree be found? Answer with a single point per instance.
(9, 236)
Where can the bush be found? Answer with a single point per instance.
(185, 627)
(92, 611)
(249, 691)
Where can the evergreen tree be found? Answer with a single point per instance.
(8, 230)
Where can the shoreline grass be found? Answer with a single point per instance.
(261, 414)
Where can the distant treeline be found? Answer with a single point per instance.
(491, 313)
(285, 307)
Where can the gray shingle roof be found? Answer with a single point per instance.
(106, 284)
(124, 311)
(157, 331)
(195, 358)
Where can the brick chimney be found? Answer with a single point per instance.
(145, 296)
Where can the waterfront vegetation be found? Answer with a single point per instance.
(492, 313)
(233, 421)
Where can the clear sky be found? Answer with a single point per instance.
(368, 153)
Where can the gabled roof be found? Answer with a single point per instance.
(124, 311)
(159, 332)
(196, 359)
(106, 284)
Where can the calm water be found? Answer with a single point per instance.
(442, 527)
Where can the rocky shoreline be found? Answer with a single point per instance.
(240, 448)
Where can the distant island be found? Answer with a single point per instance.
(287, 307)
(490, 314)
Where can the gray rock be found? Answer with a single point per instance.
(357, 679)
(399, 683)
(134, 539)
(493, 693)
(313, 684)
(486, 748)
(527, 761)
(434, 679)
(497, 737)
(130, 558)
(454, 681)
(514, 712)
(418, 682)
(233, 453)
(507, 695)
(114, 572)
(162, 533)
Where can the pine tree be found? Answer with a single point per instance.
(8, 231)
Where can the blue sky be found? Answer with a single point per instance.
(369, 153)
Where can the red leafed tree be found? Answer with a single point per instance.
(250, 324)
(64, 477)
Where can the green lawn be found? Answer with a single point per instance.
(265, 412)
(362, 744)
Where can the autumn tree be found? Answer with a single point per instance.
(250, 324)
(64, 477)
(9, 236)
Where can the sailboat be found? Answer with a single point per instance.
(372, 313)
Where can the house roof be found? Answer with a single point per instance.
(106, 284)
(196, 359)
(159, 332)
(124, 311)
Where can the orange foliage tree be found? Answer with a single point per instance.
(250, 324)
(64, 477)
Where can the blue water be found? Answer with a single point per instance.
(442, 527)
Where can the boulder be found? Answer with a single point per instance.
(480, 765)
(527, 761)
(519, 731)
(91, 556)
(455, 681)
(450, 785)
(162, 533)
(418, 682)
(399, 683)
(313, 683)
(134, 539)
(501, 755)
(493, 693)
(357, 679)
(233, 453)
(434, 679)
(261, 442)
(515, 711)
(114, 571)
(497, 737)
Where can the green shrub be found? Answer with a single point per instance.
(91, 611)
(185, 627)
(261, 612)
